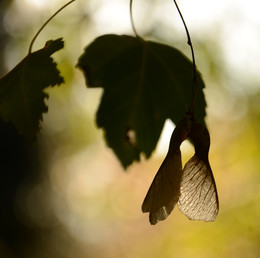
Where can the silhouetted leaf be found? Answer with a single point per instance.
(144, 84)
(21, 90)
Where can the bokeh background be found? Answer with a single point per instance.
(68, 196)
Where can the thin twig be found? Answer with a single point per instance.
(43, 26)
(195, 83)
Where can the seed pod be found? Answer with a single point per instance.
(198, 194)
(164, 191)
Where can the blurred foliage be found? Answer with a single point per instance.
(67, 197)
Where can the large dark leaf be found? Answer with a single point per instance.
(21, 90)
(144, 84)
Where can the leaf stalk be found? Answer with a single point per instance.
(191, 110)
(132, 19)
(44, 25)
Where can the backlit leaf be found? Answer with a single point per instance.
(21, 90)
(164, 191)
(144, 84)
(199, 197)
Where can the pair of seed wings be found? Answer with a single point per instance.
(193, 188)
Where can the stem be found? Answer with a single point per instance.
(195, 83)
(132, 19)
(43, 26)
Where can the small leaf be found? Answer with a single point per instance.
(144, 84)
(21, 90)
(199, 198)
(164, 191)
(192, 187)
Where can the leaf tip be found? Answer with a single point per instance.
(54, 45)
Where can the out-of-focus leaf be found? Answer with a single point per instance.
(144, 84)
(21, 90)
